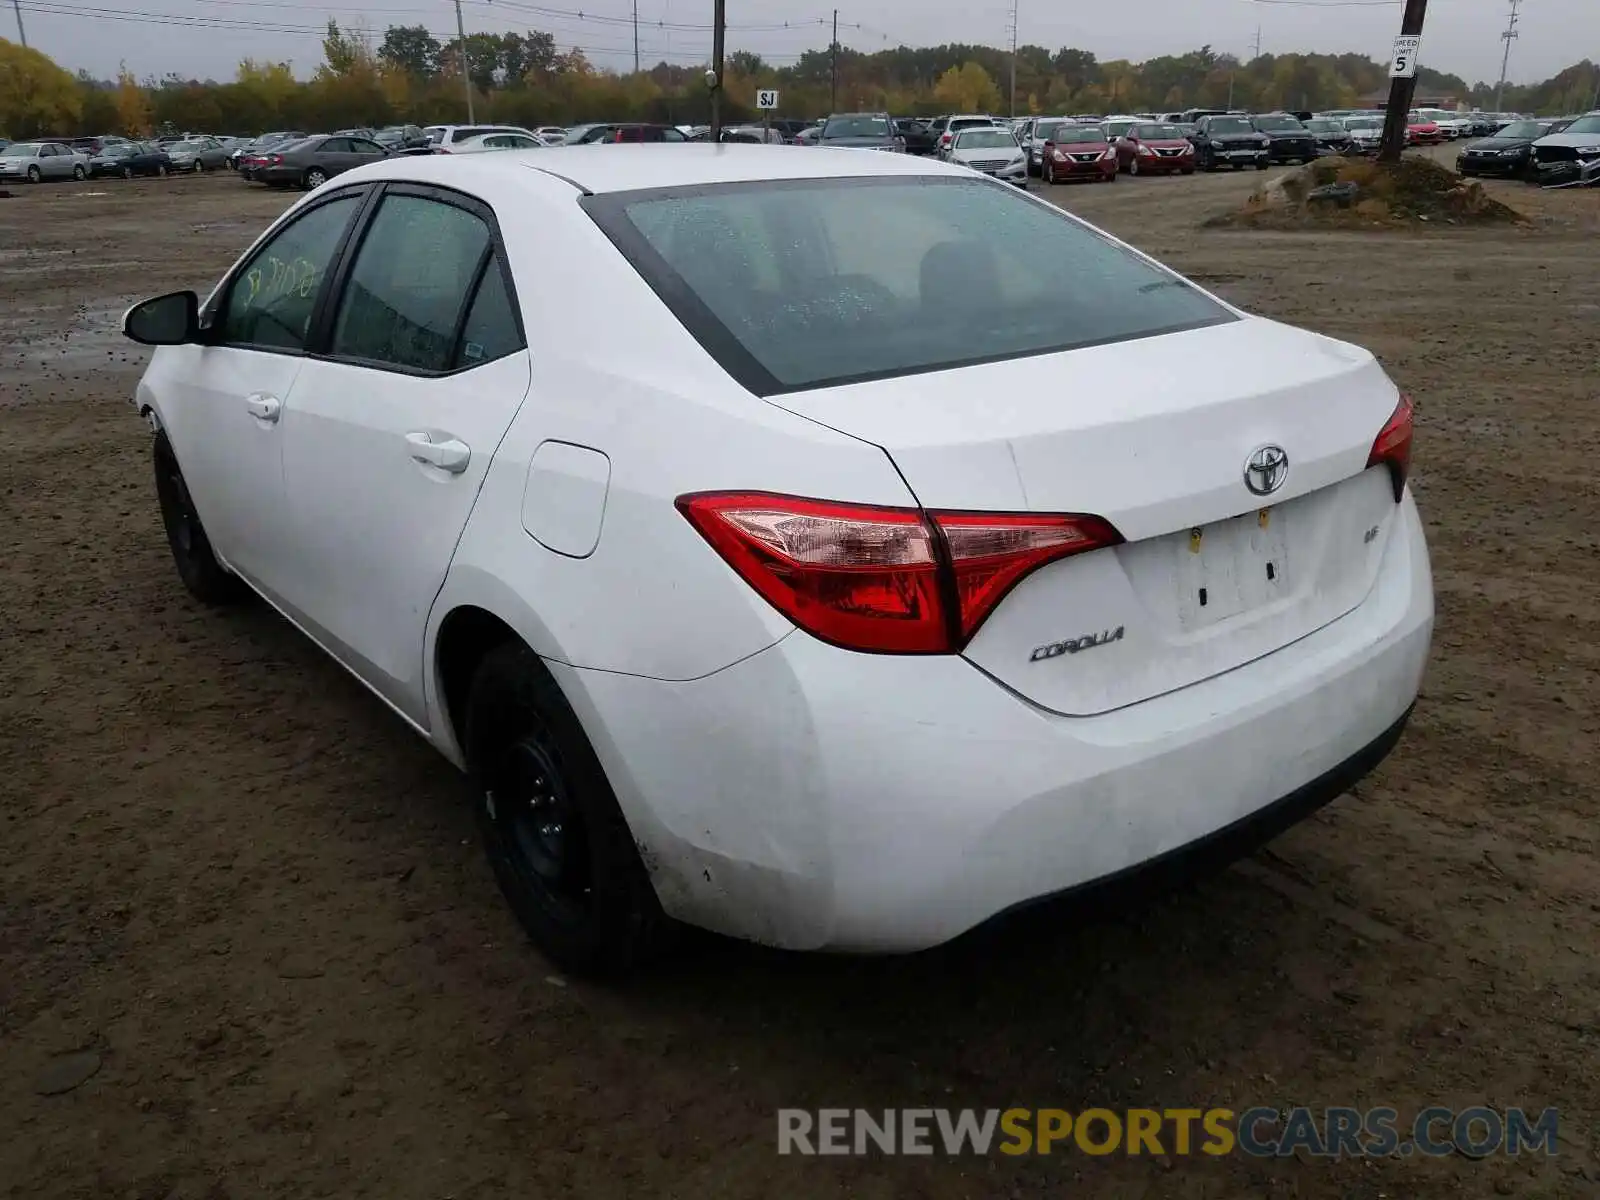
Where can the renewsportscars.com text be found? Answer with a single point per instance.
(1260, 1132)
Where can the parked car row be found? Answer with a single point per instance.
(1551, 152)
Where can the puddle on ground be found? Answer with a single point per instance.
(67, 338)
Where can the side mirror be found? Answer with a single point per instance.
(170, 320)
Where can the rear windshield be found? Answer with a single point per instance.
(843, 127)
(985, 139)
(798, 284)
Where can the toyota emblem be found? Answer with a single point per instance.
(1265, 470)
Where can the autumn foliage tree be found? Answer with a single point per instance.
(409, 76)
(133, 105)
(36, 96)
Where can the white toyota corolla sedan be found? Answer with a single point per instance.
(835, 550)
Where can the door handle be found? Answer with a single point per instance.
(449, 454)
(263, 406)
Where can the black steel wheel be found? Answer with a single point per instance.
(207, 580)
(559, 845)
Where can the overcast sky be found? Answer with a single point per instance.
(206, 38)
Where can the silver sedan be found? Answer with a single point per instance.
(34, 162)
(197, 154)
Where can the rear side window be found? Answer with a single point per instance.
(418, 266)
(805, 283)
(270, 302)
(491, 330)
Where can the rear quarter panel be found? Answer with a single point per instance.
(615, 372)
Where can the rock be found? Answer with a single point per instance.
(1336, 195)
(67, 1071)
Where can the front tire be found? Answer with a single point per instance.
(161, 170)
(127, 172)
(198, 166)
(206, 579)
(1133, 165)
(561, 850)
(34, 175)
(1049, 173)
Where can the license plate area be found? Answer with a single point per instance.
(1231, 567)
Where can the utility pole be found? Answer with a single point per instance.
(1256, 52)
(1014, 4)
(833, 69)
(466, 76)
(22, 34)
(1508, 37)
(1401, 91)
(719, 21)
(635, 37)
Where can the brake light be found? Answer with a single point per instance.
(440, 150)
(888, 580)
(1392, 447)
(274, 159)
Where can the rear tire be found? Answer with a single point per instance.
(206, 578)
(315, 178)
(559, 845)
(1049, 173)
(79, 173)
(198, 166)
(127, 172)
(1262, 166)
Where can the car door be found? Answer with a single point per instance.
(334, 155)
(227, 393)
(364, 151)
(389, 431)
(54, 162)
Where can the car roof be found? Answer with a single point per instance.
(599, 170)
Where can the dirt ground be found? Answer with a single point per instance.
(255, 903)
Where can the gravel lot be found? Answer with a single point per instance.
(256, 905)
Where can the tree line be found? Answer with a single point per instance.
(408, 75)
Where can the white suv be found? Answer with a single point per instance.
(832, 550)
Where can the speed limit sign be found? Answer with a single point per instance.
(766, 99)
(1403, 61)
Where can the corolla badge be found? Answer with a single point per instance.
(1266, 469)
(1076, 645)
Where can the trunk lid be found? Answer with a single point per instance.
(1153, 435)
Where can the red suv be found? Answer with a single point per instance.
(1153, 148)
(1078, 152)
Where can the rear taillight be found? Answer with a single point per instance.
(274, 160)
(1392, 447)
(890, 580)
(440, 150)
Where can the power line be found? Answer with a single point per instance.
(1332, 3)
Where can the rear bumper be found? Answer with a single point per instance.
(809, 797)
